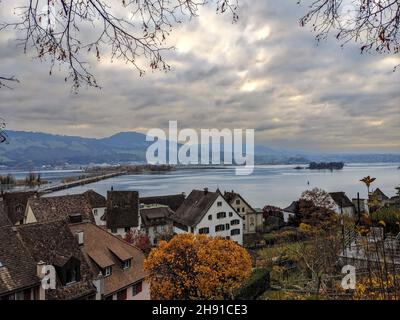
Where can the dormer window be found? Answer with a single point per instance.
(126, 264)
(71, 276)
(107, 271)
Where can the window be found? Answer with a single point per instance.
(221, 215)
(107, 271)
(235, 232)
(235, 222)
(227, 226)
(71, 276)
(220, 227)
(219, 204)
(95, 212)
(122, 295)
(237, 201)
(228, 238)
(113, 230)
(127, 229)
(204, 230)
(27, 294)
(230, 214)
(210, 217)
(137, 288)
(108, 298)
(126, 264)
(243, 209)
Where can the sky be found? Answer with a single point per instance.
(264, 72)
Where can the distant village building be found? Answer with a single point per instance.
(205, 212)
(342, 204)
(118, 264)
(157, 222)
(253, 220)
(122, 215)
(379, 195)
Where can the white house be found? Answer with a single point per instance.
(253, 221)
(98, 203)
(205, 212)
(342, 204)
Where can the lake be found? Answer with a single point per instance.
(276, 185)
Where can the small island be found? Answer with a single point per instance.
(326, 166)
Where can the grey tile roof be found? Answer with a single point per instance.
(195, 207)
(341, 199)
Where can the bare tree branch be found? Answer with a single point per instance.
(5, 80)
(134, 32)
(374, 24)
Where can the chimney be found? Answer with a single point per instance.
(205, 190)
(79, 237)
(39, 268)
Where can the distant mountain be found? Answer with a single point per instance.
(33, 149)
(27, 149)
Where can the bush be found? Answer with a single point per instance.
(390, 215)
(270, 238)
(258, 283)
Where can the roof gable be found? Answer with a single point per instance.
(195, 206)
(341, 199)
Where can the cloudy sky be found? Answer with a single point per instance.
(263, 72)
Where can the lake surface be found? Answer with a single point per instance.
(276, 185)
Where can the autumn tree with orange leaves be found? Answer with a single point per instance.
(192, 267)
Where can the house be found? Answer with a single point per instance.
(18, 270)
(157, 222)
(172, 201)
(118, 264)
(205, 212)
(98, 204)
(253, 220)
(61, 207)
(52, 243)
(379, 195)
(122, 213)
(342, 204)
(15, 205)
(290, 211)
(363, 203)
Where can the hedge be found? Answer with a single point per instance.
(258, 283)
